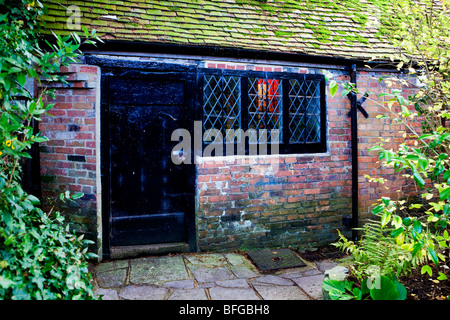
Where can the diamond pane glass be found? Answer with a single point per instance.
(304, 111)
(221, 105)
(265, 107)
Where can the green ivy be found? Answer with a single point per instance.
(40, 258)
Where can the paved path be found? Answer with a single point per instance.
(216, 276)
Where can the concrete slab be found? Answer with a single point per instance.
(133, 292)
(157, 270)
(280, 292)
(189, 294)
(312, 285)
(219, 293)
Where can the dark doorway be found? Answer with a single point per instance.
(147, 199)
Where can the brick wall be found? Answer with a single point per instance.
(245, 203)
(68, 159)
(370, 131)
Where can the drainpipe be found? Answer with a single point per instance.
(354, 142)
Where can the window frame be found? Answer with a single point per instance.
(285, 147)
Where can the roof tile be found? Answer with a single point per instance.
(312, 26)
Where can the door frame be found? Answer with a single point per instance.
(111, 67)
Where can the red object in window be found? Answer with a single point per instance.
(268, 98)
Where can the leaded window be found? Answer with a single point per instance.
(292, 105)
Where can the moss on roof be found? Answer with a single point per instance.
(317, 27)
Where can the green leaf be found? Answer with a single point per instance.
(34, 200)
(397, 232)
(423, 163)
(387, 290)
(14, 70)
(417, 226)
(333, 285)
(444, 194)
(418, 178)
(447, 175)
(445, 136)
(412, 157)
(377, 209)
(402, 293)
(406, 221)
(433, 256)
(442, 276)
(21, 78)
(5, 283)
(333, 87)
(427, 269)
(77, 195)
(385, 218)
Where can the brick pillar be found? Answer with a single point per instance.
(68, 159)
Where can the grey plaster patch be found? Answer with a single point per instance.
(208, 274)
(143, 293)
(312, 285)
(281, 292)
(219, 293)
(157, 270)
(189, 294)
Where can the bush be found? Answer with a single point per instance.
(418, 230)
(39, 257)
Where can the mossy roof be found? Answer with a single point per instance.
(316, 27)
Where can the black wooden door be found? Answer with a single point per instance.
(151, 199)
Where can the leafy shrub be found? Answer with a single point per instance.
(39, 257)
(413, 234)
(377, 288)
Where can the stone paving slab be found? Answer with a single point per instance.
(235, 283)
(134, 292)
(270, 279)
(312, 285)
(111, 278)
(281, 293)
(219, 293)
(189, 294)
(216, 276)
(157, 270)
(210, 274)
